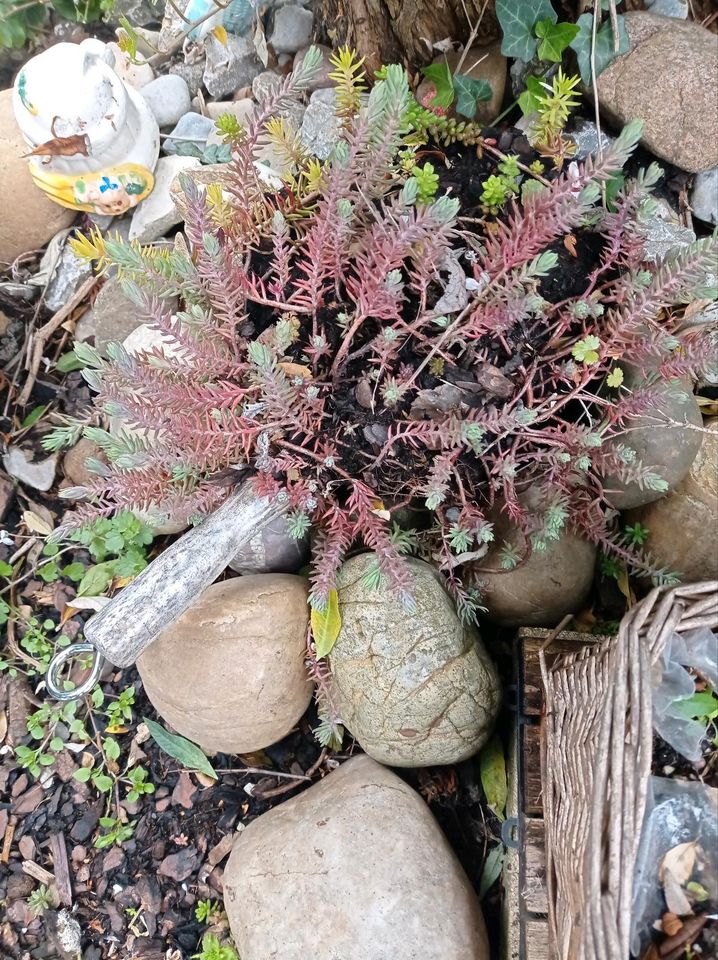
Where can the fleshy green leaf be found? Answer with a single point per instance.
(518, 19)
(440, 75)
(555, 38)
(83, 774)
(326, 625)
(188, 753)
(492, 869)
(493, 776)
(605, 53)
(34, 415)
(468, 92)
(97, 579)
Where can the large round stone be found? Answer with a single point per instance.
(682, 527)
(354, 868)
(29, 218)
(539, 592)
(229, 674)
(662, 442)
(415, 687)
(669, 80)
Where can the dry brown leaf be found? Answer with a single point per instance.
(204, 779)
(680, 861)
(676, 899)
(62, 147)
(36, 523)
(3, 726)
(295, 369)
(569, 242)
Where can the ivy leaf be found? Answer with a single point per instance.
(517, 19)
(440, 76)
(493, 776)
(605, 53)
(529, 99)
(188, 753)
(468, 92)
(555, 38)
(326, 625)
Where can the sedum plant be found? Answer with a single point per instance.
(318, 349)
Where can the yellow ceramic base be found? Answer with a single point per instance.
(110, 191)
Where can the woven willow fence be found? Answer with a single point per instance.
(596, 764)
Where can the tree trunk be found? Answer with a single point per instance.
(402, 31)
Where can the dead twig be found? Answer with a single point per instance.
(41, 336)
(7, 839)
(159, 58)
(278, 791)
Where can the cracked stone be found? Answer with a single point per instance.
(362, 847)
(415, 687)
(230, 65)
(668, 79)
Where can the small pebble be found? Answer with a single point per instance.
(168, 98)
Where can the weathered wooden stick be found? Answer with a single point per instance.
(172, 582)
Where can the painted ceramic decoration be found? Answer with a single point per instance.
(94, 141)
(236, 17)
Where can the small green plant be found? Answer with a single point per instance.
(33, 760)
(116, 832)
(702, 707)
(500, 187)
(140, 785)
(212, 949)
(636, 534)
(609, 567)
(549, 105)
(40, 900)
(427, 183)
(206, 910)
(34, 640)
(119, 711)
